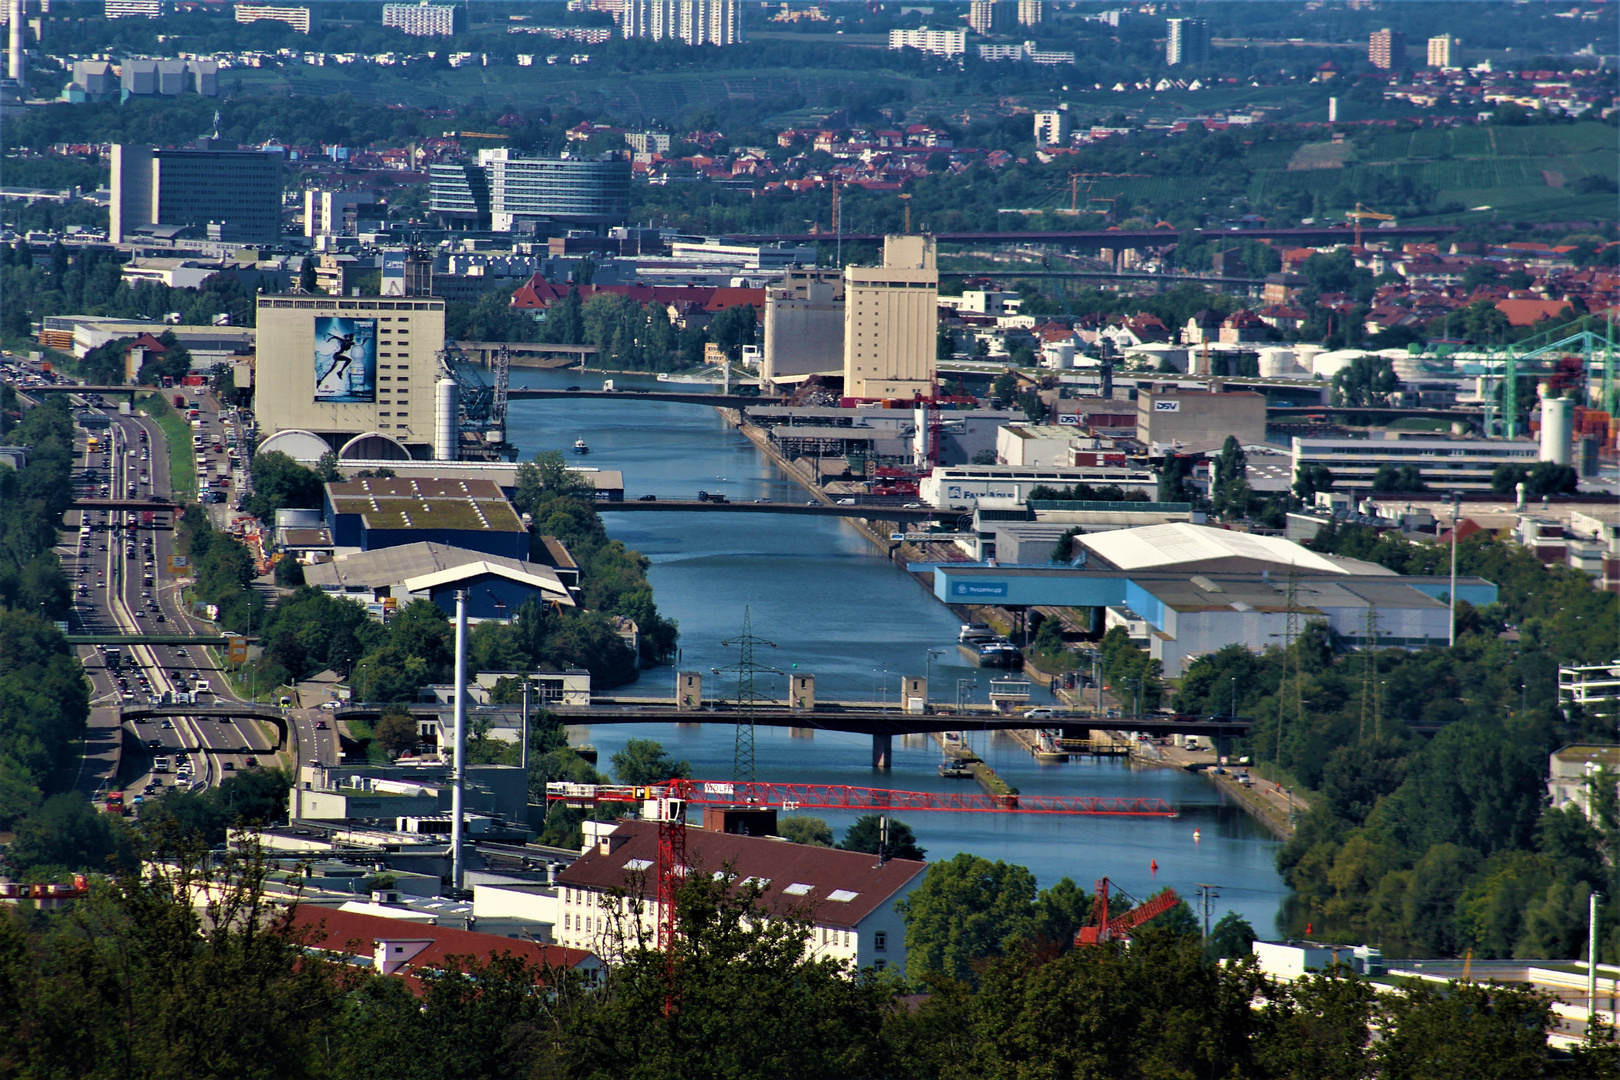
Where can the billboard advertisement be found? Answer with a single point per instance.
(393, 273)
(345, 360)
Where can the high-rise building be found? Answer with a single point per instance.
(695, 22)
(327, 213)
(508, 193)
(300, 19)
(891, 321)
(1052, 127)
(17, 44)
(1187, 41)
(1386, 49)
(421, 20)
(235, 194)
(933, 42)
(990, 16)
(133, 9)
(1031, 12)
(341, 367)
(1440, 51)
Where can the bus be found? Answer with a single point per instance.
(115, 802)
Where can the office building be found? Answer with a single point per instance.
(848, 897)
(804, 327)
(223, 194)
(991, 16)
(1441, 50)
(421, 20)
(133, 9)
(1031, 12)
(1052, 127)
(890, 322)
(1386, 49)
(301, 19)
(934, 42)
(1443, 464)
(1187, 41)
(337, 213)
(357, 372)
(694, 22)
(508, 193)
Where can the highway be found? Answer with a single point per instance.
(118, 571)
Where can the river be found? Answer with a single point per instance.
(836, 608)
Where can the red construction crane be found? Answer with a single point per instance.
(1104, 927)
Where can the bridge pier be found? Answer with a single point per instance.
(882, 751)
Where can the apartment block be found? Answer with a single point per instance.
(694, 22)
(1386, 49)
(991, 16)
(1187, 41)
(1052, 127)
(301, 19)
(934, 42)
(1442, 50)
(1031, 12)
(421, 20)
(133, 9)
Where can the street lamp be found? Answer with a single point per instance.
(1456, 499)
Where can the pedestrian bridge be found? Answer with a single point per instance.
(230, 710)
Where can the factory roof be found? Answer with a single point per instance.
(414, 487)
(1311, 595)
(535, 575)
(484, 515)
(363, 571)
(834, 887)
(1179, 543)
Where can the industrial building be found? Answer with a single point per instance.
(508, 193)
(849, 897)
(355, 368)
(370, 514)
(1444, 464)
(890, 321)
(212, 194)
(958, 487)
(1192, 422)
(804, 327)
(1198, 549)
(497, 586)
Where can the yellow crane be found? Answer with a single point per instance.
(1360, 213)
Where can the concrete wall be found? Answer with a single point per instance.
(1199, 421)
(804, 337)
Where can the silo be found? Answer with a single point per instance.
(1556, 420)
(1277, 362)
(446, 419)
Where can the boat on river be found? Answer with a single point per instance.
(580, 447)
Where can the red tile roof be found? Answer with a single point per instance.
(825, 876)
(1530, 312)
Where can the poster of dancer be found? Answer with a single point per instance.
(345, 360)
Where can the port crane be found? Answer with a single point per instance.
(1105, 927)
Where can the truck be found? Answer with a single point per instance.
(115, 803)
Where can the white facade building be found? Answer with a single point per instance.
(935, 42)
(421, 20)
(695, 22)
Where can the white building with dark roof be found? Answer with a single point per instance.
(849, 897)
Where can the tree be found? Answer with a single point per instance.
(1230, 938)
(396, 732)
(1466, 1031)
(802, 829)
(965, 911)
(279, 483)
(68, 834)
(1034, 408)
(1551, 478)
(289, 574)
(1004, 387)
(1369, 381)
(866, 834)
(306, 275)
(644, 761)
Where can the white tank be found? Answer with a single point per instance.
(1557, 417)
(1304, 355)
(1330, 364)
(1277, 363)
(446, 419)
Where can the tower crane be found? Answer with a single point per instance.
(1361, 213)
(1105, 927)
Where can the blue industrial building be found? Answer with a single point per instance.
(372, 514)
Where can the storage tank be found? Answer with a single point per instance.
(1330, 364)
(1305, 356)
(1277, 363)
(1556, 420)
(446, 419)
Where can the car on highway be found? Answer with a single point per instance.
(320, 725)
(229, 766)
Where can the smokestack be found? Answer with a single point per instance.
(17, 62)
(459, 777)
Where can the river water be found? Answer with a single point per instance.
(834, 607)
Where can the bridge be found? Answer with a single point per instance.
(683, 397)
(861, 510)
(863, 718)
(154, 503)
(228, 710)
(90, 388)
(220, 641)
(1117, 239)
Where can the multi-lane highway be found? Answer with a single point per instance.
(118, 564)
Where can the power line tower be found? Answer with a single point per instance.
(749, 697)
(1290, 656)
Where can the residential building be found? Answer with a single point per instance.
(1192, 421)
(1444, 464)
(945, 43)
(356, 372)
(133, 9)
(1440, 51)
(1026, 51)
(648, 142)
(169, 77)
(804, 327)
(410, 949)
(333, 213)
(695, 22)
(1052, 127)
(991, 16)
(509, 193)
(301, 19)
(234, 193)
(849, 897)
(1030, 12)
(1187, 42)
(1386, 49)
(423, 19)
(1572, 770)
(890, 322)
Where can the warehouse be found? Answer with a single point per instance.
(365, 515)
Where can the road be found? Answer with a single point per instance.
(118, 570)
